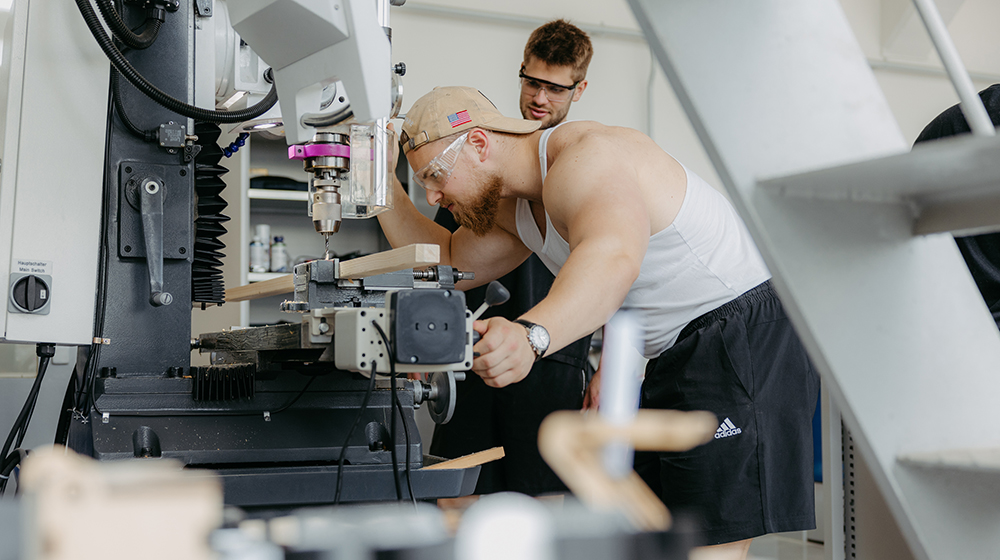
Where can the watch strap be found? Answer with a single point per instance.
(528, 325)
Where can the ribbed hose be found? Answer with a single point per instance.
(123, 33)
(116, 93)
(154, 93)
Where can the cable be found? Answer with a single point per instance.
(100, 305)
(132, 75)
(91, 398)
(392, 434)
(347, 440)
(43, 365)
(116, 97)
(7, 466)
(123, 33)
(293, 401)
(395, 402)
(406, 433)
(20, 427)
(392, 413)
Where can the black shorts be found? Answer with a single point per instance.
(487, 417)
(743, 362)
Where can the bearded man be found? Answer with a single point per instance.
(622, 224)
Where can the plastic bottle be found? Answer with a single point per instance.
(279, 255)
(264, 233)
(258, 255)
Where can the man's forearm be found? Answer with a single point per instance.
(404, 224)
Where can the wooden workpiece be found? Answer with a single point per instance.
(410, 256)
(272, 287)
(572, 444)
(471, 460)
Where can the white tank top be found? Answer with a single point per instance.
(701, 261)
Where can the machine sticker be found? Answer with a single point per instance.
(27, 266)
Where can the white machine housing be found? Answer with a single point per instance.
(53, 118)
(356, 342)
(311, 44)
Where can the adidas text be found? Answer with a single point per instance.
(727, 429)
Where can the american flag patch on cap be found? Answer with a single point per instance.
(459, 118)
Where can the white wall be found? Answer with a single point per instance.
(475, 51)
(916, 99)
(456, 42)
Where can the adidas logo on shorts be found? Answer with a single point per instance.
(727, 429)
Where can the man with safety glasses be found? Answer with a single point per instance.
(551, 77)
(554, 71)
(622, 224)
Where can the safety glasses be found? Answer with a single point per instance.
(553, 92)
(435, 174)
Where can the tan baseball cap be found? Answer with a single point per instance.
(448, 110)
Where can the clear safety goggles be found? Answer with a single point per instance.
(438, 170)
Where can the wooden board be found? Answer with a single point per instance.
(272, 287)
(411, 256)
(472, 460)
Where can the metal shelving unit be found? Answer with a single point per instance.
(276, 200)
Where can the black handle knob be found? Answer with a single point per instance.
(30, 293)
(496, 294)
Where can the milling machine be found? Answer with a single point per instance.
(287, 415)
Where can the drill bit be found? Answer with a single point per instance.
(326, 254)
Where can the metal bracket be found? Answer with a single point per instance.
(203, 8)
(191, 150)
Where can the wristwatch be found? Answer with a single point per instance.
(538, 337)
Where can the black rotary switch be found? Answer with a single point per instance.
(30, 293)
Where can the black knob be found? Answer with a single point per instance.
(400, 68)
(30, 293)
(496, 293)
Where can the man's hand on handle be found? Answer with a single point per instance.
(505, 356)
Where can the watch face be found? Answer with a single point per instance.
(539, 338)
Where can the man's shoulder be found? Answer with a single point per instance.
(588, 135)
(569, 129)
(583, 142)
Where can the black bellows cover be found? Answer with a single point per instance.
(206, 274)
